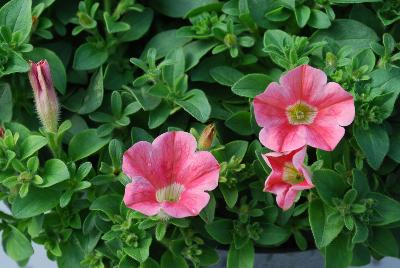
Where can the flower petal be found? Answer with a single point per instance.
(171, 151)
(285, 199)
(324, 134)
(304, 81)
(140, 195)
(334, 101)
(283, 137)
(137, 162)
(190, 204)
(270, 106)
(201, 172)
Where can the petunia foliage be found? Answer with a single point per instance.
(170, 133)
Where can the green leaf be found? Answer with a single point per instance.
(36, 202)
(221, 231)
(225, 75)
(384, 242)
(339, 253)
(15, 64)
(94, 94)
(88, 57)
(374, 142)
(31, 145)
(360, 183)
(344, 32)
(394, 151)
(149, 263)
(57, 68)
(251, 85)
(159, 115)
(72, 253)
(387, 210)
(194, 51)
(208, 257)
(165, 42)
(109, 204)
(113, 26)
(241, 258)
(172, 73)
(178, 8)
(208, 213)
(161, 229)
(235, 149)
(170, 260)
(273, 235)
(196, 104)
(139, 22)
(240, 123)
(361, 255)
(55, 171)
(85, 143)
(353, 1)
(302, 14)
(6, 103)
(329, 185)
(17, 246)
(319, 19)
(324, 227)
(140, 253)
(17, 16)
(230, 194)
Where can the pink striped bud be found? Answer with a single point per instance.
(45, 96)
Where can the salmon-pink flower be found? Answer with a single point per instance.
(288, 177)
(168, 177)
(45, 96)
(303, 109)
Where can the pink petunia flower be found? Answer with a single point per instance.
(303, 109)
(288, 177)
(168, 177)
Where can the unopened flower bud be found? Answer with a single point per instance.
(207, 137)
(45, 96)
(1, 132)
(230, 40)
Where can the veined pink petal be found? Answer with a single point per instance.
(336, 102)
(137, 162)
(273, 97)
(285, 199)
(200, 172)
(303, 81)
(190, 204)
(171, 151)
(283, 138)
(324, 134)
(140, 195)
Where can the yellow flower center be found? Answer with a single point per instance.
(301, 113)
(291, 175)
(170, 193)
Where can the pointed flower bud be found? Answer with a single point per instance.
(45, 96)
(1, 132)
(207, 137)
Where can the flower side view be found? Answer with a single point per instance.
(303, 109)
(45, 96)
(289, 176)
(168, 176)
